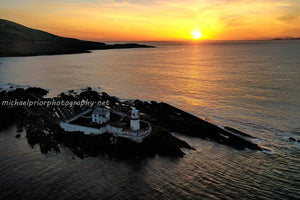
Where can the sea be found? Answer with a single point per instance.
(253, 86)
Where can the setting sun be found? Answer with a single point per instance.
(197, 34)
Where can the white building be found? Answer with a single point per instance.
(118, 128)
(100, 116)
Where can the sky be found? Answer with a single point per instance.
(157, 20)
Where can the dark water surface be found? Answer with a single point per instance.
(252, 86)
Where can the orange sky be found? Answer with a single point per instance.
(146, 20)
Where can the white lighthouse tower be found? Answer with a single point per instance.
(135, 120)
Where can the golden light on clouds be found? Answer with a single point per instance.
(133, 20)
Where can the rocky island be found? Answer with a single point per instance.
(43, 125)
(19, 40)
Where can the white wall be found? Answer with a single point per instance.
(135, 124)
(77, 116)
(137, 136)
(86, 130)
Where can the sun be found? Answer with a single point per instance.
(197, 34)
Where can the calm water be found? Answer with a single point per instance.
(252, 86)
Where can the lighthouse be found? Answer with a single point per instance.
(135, 120)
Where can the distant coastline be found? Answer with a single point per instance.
(286, 38)
(19, 40)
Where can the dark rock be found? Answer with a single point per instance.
(37, 91)
(160, 142)
(90, 95)
(176, 120)
(292, 139)
(7, 117)
(20, 129)
(36, 135)
(19, 125)
(237, 132)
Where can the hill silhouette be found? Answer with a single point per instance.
(19, 40)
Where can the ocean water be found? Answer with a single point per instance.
(253, 86)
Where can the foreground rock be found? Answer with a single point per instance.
(293, 139)
(184, 123)
(161, 142)
(42, 126)
(237, 132)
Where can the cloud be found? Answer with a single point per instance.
(289, 17)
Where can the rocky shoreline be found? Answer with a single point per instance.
(42, 126)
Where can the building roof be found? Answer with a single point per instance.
(100, 111)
